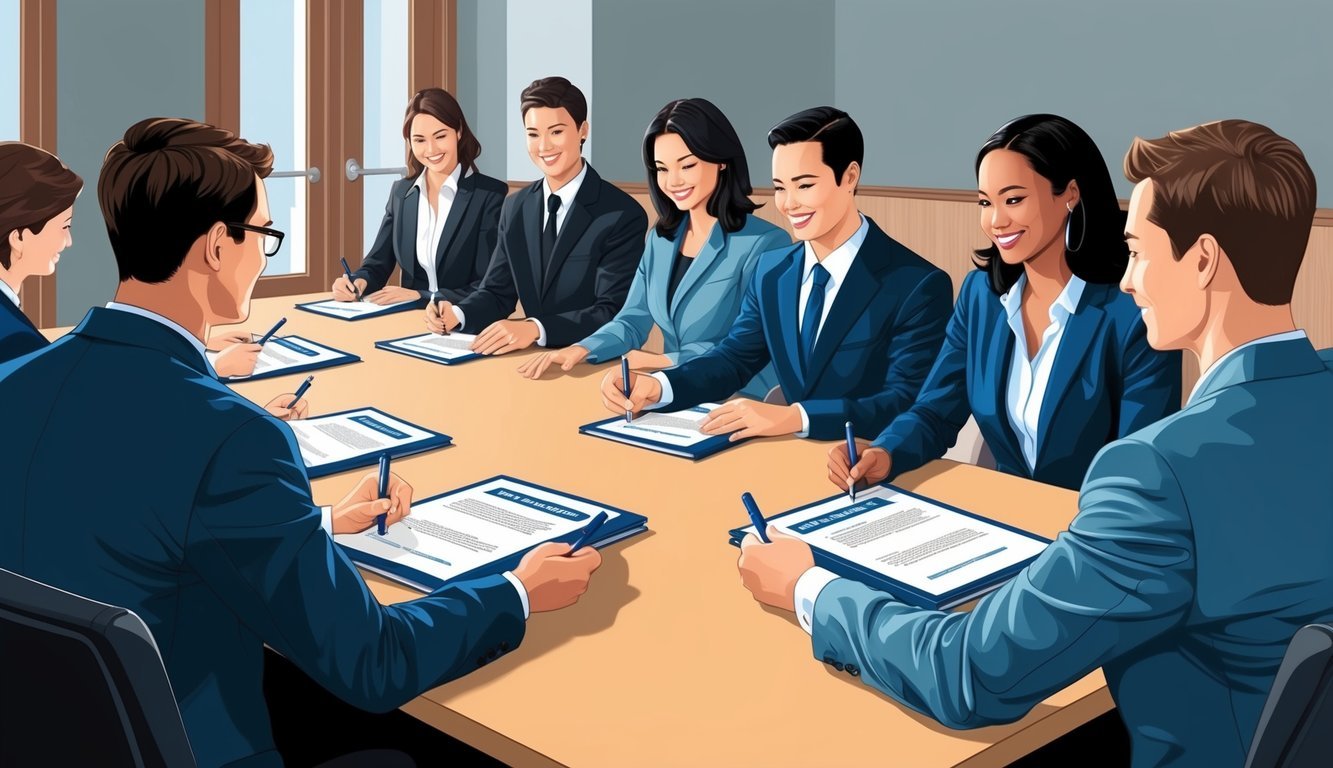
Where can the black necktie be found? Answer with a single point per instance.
(814, 307)
(548, 232)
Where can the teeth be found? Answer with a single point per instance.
(1008, 239)
(802, 218)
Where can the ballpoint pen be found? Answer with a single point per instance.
(301, 390)
(756, 517)
(264, 339)
(381, 521)
(347, 271)
(589, 531)
(851, 458)
(624, 385)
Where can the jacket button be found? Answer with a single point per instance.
(504, 647)
(828, 660)
(493, 654)
(853, 671)
(481, 662)
(837, 665)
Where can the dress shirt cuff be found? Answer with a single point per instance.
(462, 318)
(808, 587)
(326, 519)
(541, 331)
(805, 421)
(522, 591)
(667, 394)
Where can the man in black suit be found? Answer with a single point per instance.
(568, 244)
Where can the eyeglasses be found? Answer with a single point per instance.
(272, 237)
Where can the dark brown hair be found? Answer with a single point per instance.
(34, 187)
(441, 105)
(1243, 184)
(555, 93)
(166, 183)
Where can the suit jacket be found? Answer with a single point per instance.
(871, 356)
(1122, 385)
(706, 301)
(1201, 545)
(595, 255)
(466, 243)
(195, 513)
(18, 336)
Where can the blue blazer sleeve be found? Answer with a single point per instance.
(255, 539)
(926, 430)
(630, 327)
(1152, 382)
(481, 256)
(1120, 576)
(380, 260)
(726, 368)
(917, 333)
(497, 295)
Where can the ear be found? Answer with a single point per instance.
(1072, 194)
(15, 244)
(1207, 255)
(215, 240)
(583, 132)
(852, 176)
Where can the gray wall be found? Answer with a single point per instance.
(117, 63)
(482, 73)
(929, 81)
(757, 60)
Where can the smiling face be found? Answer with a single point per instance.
(434, 144)
(807, 194)
(37, 252)
(554, 142)
(1170, 293)
(1019, 211)
(686, 179)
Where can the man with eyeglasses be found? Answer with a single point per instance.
(142, 481)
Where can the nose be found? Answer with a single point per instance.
(1127, 279)
(999, 219)
(787, 202)
(674, 180)
(544, 145)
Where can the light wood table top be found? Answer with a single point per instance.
(667, 660)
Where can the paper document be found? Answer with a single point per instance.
(454, 347)
(343, 437)
(912, 540)
(464, 530)
(289, 353)
(355, 310)
(679, 429)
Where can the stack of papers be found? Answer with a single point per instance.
(358, 310)
(674, 433)
(479, 530)
(341, 441)
(922, 552)
(291, 354)
(446, 350)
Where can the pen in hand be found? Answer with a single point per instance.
(624, 385)
(347, 271)
(381, 521)
(264, 339)
(589, 531)
(301, 390)
(851, 458)
(756, 518)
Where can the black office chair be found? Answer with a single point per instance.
(1296, 727)
(82, 683)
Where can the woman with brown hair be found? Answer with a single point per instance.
(37, 194)
(440, 222)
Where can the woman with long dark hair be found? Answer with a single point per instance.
(698, 259)
(440, 222)
(1043, 349)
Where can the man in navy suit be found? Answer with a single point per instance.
(850, 318)
(568, 244)
(146, 483)
(1201, 542)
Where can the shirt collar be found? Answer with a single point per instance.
(10, 294)
(1217, 364)
(1066, 303)
(568, 192)
(840, 260)
(168, 322)
(450, 181)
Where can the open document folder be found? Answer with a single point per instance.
(923, 552)
(337, 442)
(291, 354)
(482, 529)
(445, 349)
(358, 310)
(674, 433)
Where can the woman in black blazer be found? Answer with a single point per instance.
(440, 222)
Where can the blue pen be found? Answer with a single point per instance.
(301, 390)
(756, 517)
(348, 272)
(589, 531)
(851, 455)
(624, 384)
(381, 521)
(263, 339)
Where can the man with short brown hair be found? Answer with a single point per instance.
(1201, 542)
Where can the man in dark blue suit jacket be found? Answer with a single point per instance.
(194, 510)
(850, 318)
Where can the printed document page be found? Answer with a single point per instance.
(330, 439)
(679, 429)
(350, 309)
(450, 347)
(286, 352)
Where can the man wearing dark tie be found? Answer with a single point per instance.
(850, 318)
(568, 244)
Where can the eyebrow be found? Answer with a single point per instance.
(797, 178)
(1010, 187)
(549, 127)
(1130, 235)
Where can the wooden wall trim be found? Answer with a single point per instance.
(37, 125)
(222, 63)
(432, 45)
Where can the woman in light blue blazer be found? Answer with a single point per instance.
(1043, 349)
(696, 261)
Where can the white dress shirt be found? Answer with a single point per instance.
(325, 513)
(838, 263)
(566, 194)
(430, 221)
(10, 294)
(1276, 337)
(1030, 378)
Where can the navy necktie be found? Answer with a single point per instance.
(814, 308)
(548, 232)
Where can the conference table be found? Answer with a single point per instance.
(666, 660)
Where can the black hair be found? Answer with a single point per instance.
(835, 131)
(710, 137)
(1062, 152)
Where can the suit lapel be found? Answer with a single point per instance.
(702, 263)
(782, 324)
(406, 223)
(997, 358)
(532, 234)
(14, 310)
(576, 222)
(1074, 344)
(859, 288)
(456, 213)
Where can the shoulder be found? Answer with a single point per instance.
(515, 199)
(976, 288)
(779, 258)
(760, 234)
(894, 257)
(613, 198)
(488, 185)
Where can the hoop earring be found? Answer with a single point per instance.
(1070, 245)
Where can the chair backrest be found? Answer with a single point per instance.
(1296, 727)
(970, 447)
(82, 683)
